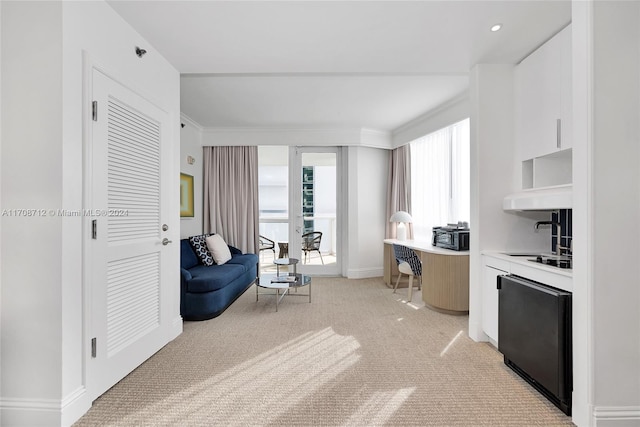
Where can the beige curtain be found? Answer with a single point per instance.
(231, 195)
(399, 188)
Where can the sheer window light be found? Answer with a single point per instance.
(440, 179)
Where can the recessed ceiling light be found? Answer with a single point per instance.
(496, 27)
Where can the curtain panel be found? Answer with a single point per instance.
(399, 189)
(231, 195)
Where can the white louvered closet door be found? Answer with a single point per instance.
(128, 150)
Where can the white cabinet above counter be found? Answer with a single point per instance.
(543, 98)
(543, 113)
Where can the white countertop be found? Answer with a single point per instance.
(425, 246)
(560, 278)
(523, 260)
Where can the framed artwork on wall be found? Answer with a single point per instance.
(186, 195)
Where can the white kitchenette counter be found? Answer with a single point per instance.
(560, 278)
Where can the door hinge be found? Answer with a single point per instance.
(93, 347)
(94, 229)
(94, 111)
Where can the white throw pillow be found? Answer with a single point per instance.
(218, 248)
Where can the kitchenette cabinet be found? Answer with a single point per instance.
(543, 114)
(491, 269)
(496, 264)
(543, 98)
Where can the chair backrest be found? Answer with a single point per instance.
(311, 240)
(266, 243)
(408, 255)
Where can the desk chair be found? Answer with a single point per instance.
(408, 263)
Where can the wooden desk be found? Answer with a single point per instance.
(445, 275)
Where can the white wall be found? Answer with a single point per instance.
(44, 349)
(616, 178)
(367, 175)
(0, 200)
(31, 170)
(191, 145)
(494, 174)
(582, 298)
(607, 205)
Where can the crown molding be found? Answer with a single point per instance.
(445, 114)
(376, 138)
(299, 136)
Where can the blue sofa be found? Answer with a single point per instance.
(206, 291)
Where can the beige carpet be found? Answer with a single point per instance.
(358, 355)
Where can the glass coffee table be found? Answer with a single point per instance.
(283, 283)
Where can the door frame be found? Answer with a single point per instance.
(295, 206)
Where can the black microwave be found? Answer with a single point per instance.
(454, 238)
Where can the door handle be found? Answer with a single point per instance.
(166, 241)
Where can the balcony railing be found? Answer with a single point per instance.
(276, 228)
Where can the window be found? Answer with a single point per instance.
(440, 179)
(273, 192)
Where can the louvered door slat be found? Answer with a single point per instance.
(128, 169)
(134, 170)
(122, 142)
(133, 295)
(133, 122)
(141, 120)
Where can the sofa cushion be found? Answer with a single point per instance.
(188, 257)
(218, 249)
(248, 261)
(211, 278)
(200, 247)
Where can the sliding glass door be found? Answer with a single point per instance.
(314, 220)
(300, 207)
(273, 192)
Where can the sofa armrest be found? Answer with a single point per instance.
(186, 275)
(234, 251)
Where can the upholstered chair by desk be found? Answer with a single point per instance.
(408, 263)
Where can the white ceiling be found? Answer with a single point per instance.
(333, 64)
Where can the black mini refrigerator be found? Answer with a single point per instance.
(534, 335)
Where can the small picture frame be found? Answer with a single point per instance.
(186, 196)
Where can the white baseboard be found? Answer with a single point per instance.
(75, 405)
(476, 333)
(29, 412)
(44, 412)
(176, 327)
(616, 416)
(364, 273)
